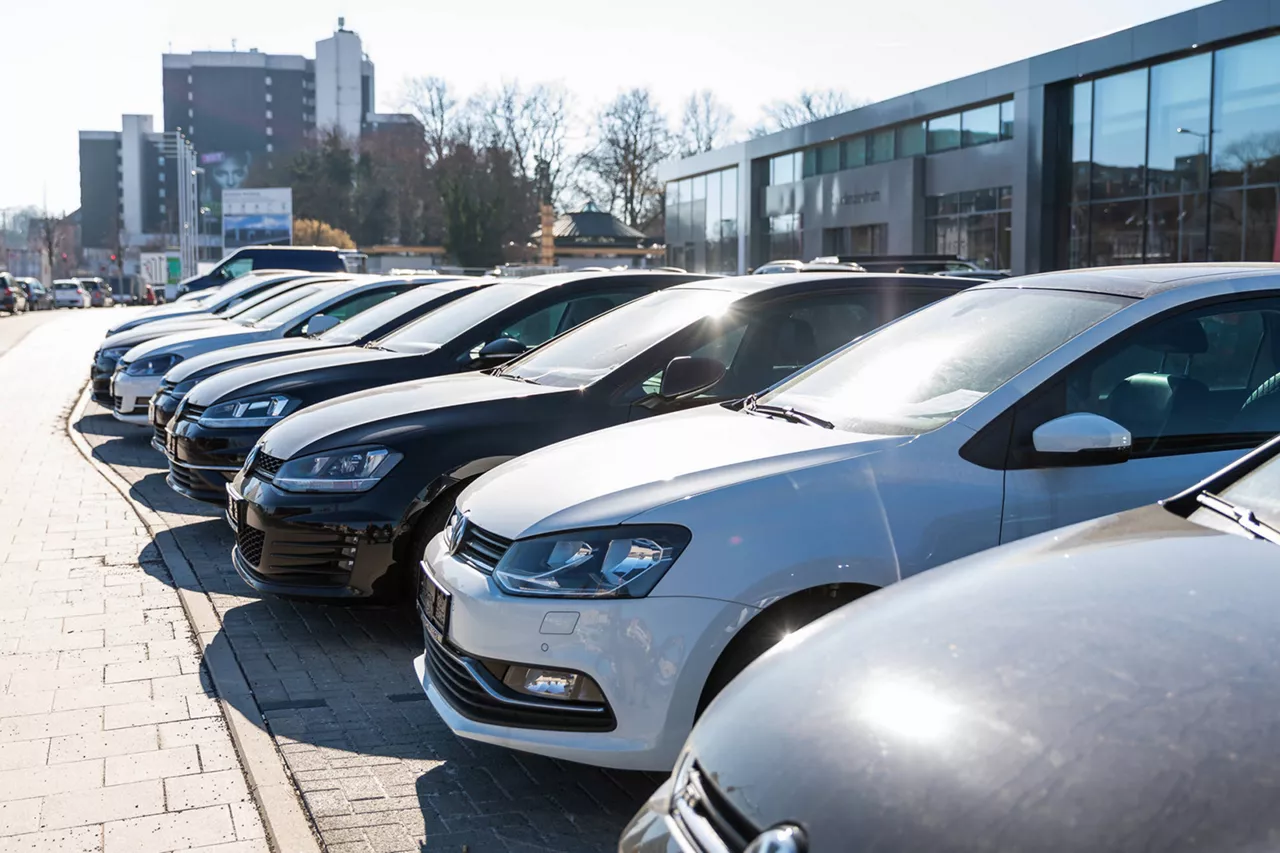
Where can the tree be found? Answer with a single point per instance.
(809, 105)
(632, 138)
(533, 125)
(313, 232)
(50, 239)
(323, 179)
(705, 124)
(430, 100)
(485, 204)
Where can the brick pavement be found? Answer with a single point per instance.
(377, 768)
(110, 738)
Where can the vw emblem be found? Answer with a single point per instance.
(780, 839)
(453, 533)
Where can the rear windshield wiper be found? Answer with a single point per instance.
(787, 413)
(1242, 516)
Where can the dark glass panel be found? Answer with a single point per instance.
(1078, 239)
(1006, 120)
(980, 126)
(880, 147)
(944, 133)
(811, 162)
(1176, 229)
(1004, 241)
(1178, 139)
(1246, 113)
(828, 158)
(911, 139)
(1119, 135)
(854, 152)
(1081, 140)
(1117, 231)
(1226, 225)
(713, 219)
(1260, 224)
(1006, 198)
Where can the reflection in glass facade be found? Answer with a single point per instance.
(976, 225)
(702, 222)
(1179, 161)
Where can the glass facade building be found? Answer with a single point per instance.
(1160, 143)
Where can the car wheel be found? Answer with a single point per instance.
(403, 577)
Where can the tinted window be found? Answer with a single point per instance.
(944, 133)
(235, 269)
(412, 304)
(458, 317)
(546, 323)
(921, 372)
(275, 303)
(1120, 135)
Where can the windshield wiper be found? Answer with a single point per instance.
(374, 345)
(498, 372)
(1242, 516)
(787, 413)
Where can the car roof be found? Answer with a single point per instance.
(561, 279)
(753, 284)
(1137, 281)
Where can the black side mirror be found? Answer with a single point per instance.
(686, 375)
(498, 351)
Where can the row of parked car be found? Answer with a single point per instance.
(628, 502)
(19, 295)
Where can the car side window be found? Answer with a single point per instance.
(236, 268)
(544, 324)
(1208, 379)
(354, 305)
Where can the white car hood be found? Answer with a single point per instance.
(608, 476)
(159, 329)
(198, 341)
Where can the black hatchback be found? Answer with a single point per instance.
(335, 498)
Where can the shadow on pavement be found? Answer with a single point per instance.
(337, 691)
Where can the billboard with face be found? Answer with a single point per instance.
(223, 170)
(256, 217)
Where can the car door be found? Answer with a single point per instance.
(1196, 389)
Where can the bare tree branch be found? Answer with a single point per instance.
(705, 124)
(809, 105)
(632, 137)
(431, 101)
(532, 124)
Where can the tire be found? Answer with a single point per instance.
(429, 523)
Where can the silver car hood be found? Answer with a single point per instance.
(197, 341)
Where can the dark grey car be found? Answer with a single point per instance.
(1110, 686)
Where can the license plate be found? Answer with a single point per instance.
(433, 605)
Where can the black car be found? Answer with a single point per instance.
(13, 298)
(312, 259)
(39, 298)
(402, 453)
(1110, 686)
(214, 431)
(375, 323)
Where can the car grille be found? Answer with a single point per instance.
(300, 557)
(191, 412)
(249, 540)
(481, 548)
(158, 436)
(455, 676)
(265, 466)
(117, 402)
(701, 802)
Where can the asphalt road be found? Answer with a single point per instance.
(14, 328)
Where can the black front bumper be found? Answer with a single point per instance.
(100, 375)
(201, 460)
(324, 547)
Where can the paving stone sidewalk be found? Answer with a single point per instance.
(377, 768)
(110, 736)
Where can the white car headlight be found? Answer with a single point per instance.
(249, 412)
(152, 365)
(623, 562)
(113, 354)
(351, 469)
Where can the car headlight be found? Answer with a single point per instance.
(249, 412)
(621, 562)
(182, 389)
(351, 469)
(152, 365)
(113, 354)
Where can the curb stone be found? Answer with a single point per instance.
(289, 827)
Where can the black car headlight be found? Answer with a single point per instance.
(113, 353)
(249, 412)
(620, 562)
(152, 365)
(351, 469)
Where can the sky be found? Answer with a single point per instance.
(73, 65)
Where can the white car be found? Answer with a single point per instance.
(292, 313)
(588, 600)
(69, 293)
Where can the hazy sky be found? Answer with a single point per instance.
(79, 64)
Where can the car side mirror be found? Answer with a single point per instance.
(1082, 438)
(320, 323)
(686, 375)
(498, 351)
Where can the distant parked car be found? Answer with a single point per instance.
(100, 295)
(38, 296)
(1101, 688)
(314, 259)
(69, 293)
(13, 298)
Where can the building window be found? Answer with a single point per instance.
(268, 130)
(162, 192)
(975, 225)
(161, 177)
(785, 168)
(980, 126)
(160, 161)
(858, 240)
(162, 207)
(853, 152)
(911, 139)
(269, 148)
(268, 97)
(268, 81)
(880, 146)
(944, 133)
(1006, 120)
(190, 96)
(822, 160)
(191, 113)
(702, 222)
(268, 113)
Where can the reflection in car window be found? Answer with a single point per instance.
(368, 322)
(441, 326)
(270, 306)
(929, 367)
(597, 348)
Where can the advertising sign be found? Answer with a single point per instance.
(256, 217)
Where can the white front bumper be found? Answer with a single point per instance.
(131, 396)
(650, 657)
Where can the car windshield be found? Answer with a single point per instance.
(366, 323)
(456, 318)
(917, 374)
(599, 346)
(257, 315)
